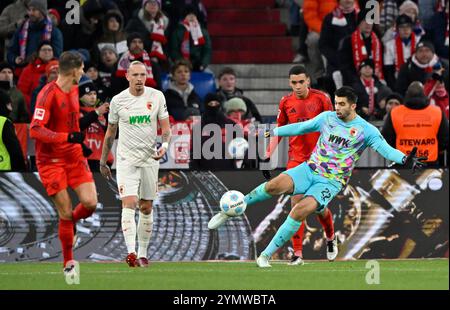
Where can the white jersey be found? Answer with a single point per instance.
(137, 118)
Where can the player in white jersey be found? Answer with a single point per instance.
(136, 110)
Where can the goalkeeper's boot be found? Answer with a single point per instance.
(332, 249)
(142, 262)
(263, 261)
(296, 260)
(217, 220)
(132, 260)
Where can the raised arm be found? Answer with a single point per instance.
(297, 129)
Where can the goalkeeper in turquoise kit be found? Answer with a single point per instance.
(343, 137)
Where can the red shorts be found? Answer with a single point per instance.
(57, 176)
(292, 163)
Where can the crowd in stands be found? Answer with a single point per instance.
(338, 44)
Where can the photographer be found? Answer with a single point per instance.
(435, 89)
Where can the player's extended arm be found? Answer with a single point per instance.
(166, 136)
(301, 128)
(108, 141)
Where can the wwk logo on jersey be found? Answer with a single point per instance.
(339, 140)
(140, 119)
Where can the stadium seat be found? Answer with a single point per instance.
(203, 82)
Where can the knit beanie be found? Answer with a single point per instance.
(41, 5)
(235, 104)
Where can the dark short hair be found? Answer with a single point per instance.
(347, 92)
(298, 69)
(227, 70)
(69, 60)
(179, 63)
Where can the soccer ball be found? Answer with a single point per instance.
(232, 203)
(237, 148)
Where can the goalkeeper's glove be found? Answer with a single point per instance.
(75, 137)
(413, 162)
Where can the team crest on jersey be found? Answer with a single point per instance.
(39, 114)
(149, 105)
(353, 132)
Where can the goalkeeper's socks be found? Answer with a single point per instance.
(257, 195)
(326, 219)
(129, 229)
(144, 233)
(81, 212)
(65, 234)
(284, 233)
(297, 240)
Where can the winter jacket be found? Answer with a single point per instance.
(29, 79)
(178, 102)
(314, 12)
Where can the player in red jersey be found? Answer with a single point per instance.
(302, 104)
(59, 153)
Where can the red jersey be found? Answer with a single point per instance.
(293, 110)
(56, 115)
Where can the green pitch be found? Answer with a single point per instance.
(394, 274)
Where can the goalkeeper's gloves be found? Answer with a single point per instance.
(413, 162)
(268, 133)
(75, 137)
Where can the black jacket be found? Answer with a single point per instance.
(176, 106)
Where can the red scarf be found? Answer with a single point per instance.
(194, 31)
(370, 89)
(159, 39)
(360, 53)
(339, 15)
(399, 57)
(128, 58)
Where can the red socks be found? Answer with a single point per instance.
(65, 232)
(81, 212)
(326, 219)
(297, 240)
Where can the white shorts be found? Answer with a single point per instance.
(137, 181)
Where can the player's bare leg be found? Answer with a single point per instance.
(129, 204)
(63, 205)
(282, 184)
(144, 230)
(297, 238)
(301, 210)
(87, 195)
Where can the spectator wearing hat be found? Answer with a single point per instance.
(108, 66)
(180, 94)
(191, 41)
(113, 33)
(19, 113)
(410, 9)
(11, 156)
(214, 113)
(36, 28)
(420, 67)
(54, 16)
(29, 79)
(399, 49)
(337, 25)
(363, 43)
(103, 92)
(151, 23)
(93, 121)
(417, 123)
(51, 74)
(370, 92)
(438, 32)
(136, 51)
(235, 110)
(435, 90)
(391, 101)
(227, 90)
